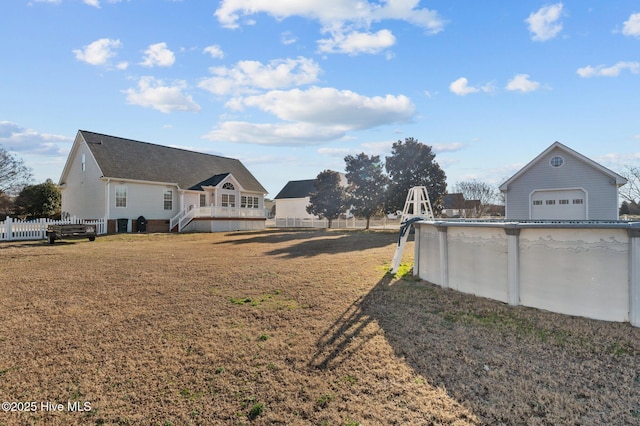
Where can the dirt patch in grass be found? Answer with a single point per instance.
(287, 327)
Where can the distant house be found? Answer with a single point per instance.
(453, 205)
(142, 185)
(293, 199)
(562, 184)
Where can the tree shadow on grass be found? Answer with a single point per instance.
(311, 243)
(35, 243)
(508, 365)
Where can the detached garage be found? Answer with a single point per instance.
(562, 184)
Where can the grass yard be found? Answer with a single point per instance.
(287, 327)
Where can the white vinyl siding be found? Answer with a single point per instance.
(168, 199)
(602, 192)
(84, 193)
(121, 196)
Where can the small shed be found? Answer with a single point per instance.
(562, 184)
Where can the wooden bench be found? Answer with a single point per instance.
(77, 230)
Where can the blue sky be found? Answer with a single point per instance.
(292, 86)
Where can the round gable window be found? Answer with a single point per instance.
(556, 161)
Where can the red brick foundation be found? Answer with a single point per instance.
(153, 225)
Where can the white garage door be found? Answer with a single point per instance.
(564, 204)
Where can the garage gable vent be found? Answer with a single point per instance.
(556, 161)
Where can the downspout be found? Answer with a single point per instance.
(107, 199)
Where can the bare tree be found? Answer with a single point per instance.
(477, 191)
(14, 175)
(631, 190)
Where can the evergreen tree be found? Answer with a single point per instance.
(329, 200)
(367, 184)
(412, 163)
(42, 200)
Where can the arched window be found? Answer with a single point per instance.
(228, 185)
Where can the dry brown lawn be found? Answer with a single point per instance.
(287, 327)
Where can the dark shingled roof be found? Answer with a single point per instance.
(128, 159)
(297, 189)
(453, 201)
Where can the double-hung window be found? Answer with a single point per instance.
(168, 199)
(121, 196)
(228, 200)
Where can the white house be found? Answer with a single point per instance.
(293, 199)
(562, 184)
(138, 184)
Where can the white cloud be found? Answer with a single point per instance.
(336, 152)
(332, 107)
(544, 24)
(276, 134)
(287, 38)
(632, 25)
(330, 12)
(447, 147)
(461, 87)
(93, 3)
(250, 76)
(158, 55)
(16, 138)
(215, 51)
(153, 93)
(348, 21)
(312, 116)
(378, 148)
(357, 42)
(616, 161)
(99, 52)
(612, 71)
(521, 83)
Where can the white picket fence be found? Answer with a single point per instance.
(18, 230)
(351, 223)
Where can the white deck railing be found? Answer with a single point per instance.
(183, 218)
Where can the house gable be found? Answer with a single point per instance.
(560, 149)
(83, 193)
(549, 187)
(212, 181)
